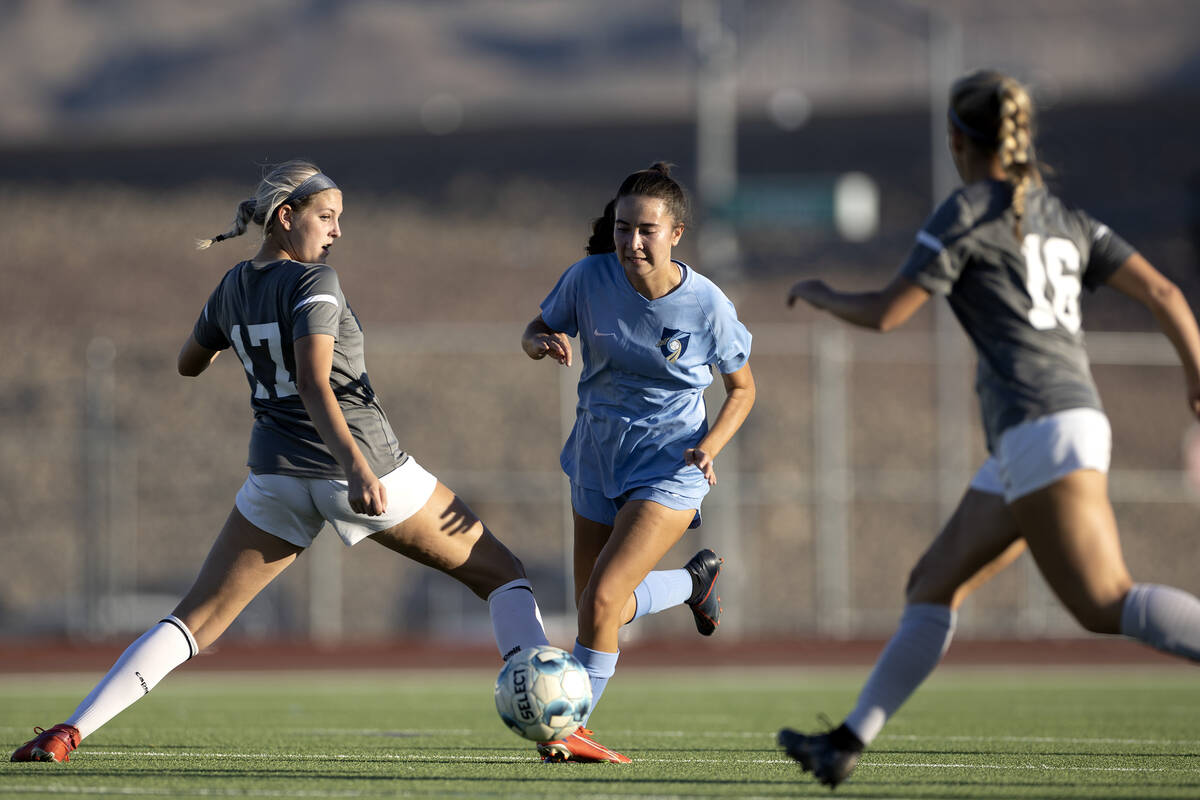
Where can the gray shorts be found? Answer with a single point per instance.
(295, 509)
(1036, 453)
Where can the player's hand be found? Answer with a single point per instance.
(1194, 401)
(811, 291)
(695, 457)
(556, 345)
(366, 494)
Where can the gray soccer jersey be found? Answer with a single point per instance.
(1017, 297)
(261, 311)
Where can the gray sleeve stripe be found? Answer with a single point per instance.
(1100, 232)
(930, 241)
(316, 298)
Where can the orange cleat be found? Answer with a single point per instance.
(49, 745)
(579, 747)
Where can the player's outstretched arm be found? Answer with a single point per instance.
(1141, 281)
(879, 310)
(540, 340)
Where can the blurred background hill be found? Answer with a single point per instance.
(475, 142)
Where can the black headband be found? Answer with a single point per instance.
(317, 182)
(968, 131)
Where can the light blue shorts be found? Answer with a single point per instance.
(1035, 454)
(596, 506)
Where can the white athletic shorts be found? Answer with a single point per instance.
(1034, 454)
(295, 509)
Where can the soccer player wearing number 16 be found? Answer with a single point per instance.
(1011, 259)
(322, 450)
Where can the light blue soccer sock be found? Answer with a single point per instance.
(914, 650)
(1163, 617)
(516, 619)
(139, 669)
(600, 667)
(661, 590)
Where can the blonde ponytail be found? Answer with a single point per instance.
(1016, 141)
(241, 222)
(292, 182)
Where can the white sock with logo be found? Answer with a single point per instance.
(139, 669)
(516, 619)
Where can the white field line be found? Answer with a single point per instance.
(1193, 744)
(440, 757)
(1190, 743)
(133, 791)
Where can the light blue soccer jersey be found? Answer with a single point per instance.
(646, 364)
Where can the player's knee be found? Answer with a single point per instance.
(1096, 605)
(599, 608)
(924, 586)
(490, 566)
(505, 564)
(1098, 617)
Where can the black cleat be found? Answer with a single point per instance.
(704, 567)
(819, 755)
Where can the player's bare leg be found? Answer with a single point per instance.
(1072, 535)
(447, 535)
(644, 531)
(979, 540)
(241, 562)
(612, 562)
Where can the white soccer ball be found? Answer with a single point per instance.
(543, 693)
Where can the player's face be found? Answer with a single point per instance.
(957, 144)
(314, 228)
(644, 233)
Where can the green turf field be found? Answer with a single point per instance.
(970, 733)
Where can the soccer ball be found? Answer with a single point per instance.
(543, 693)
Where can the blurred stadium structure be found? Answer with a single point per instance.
(475, 142)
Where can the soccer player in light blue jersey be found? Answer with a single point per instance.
(650, 331)
(321, 451)
(1011, 259)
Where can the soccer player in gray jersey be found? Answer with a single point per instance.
(1011, 260)
(321, 451)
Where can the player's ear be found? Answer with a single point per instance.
(677, 234)
(285, 214)
(956, 139)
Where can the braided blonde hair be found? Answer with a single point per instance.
(275, 187)
(996, 112)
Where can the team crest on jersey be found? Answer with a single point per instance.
(673, 343)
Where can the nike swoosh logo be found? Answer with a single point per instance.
(596, 332)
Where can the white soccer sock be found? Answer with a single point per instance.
(1163, 617)
(516, 619)
(914, 650)
(139, 669)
